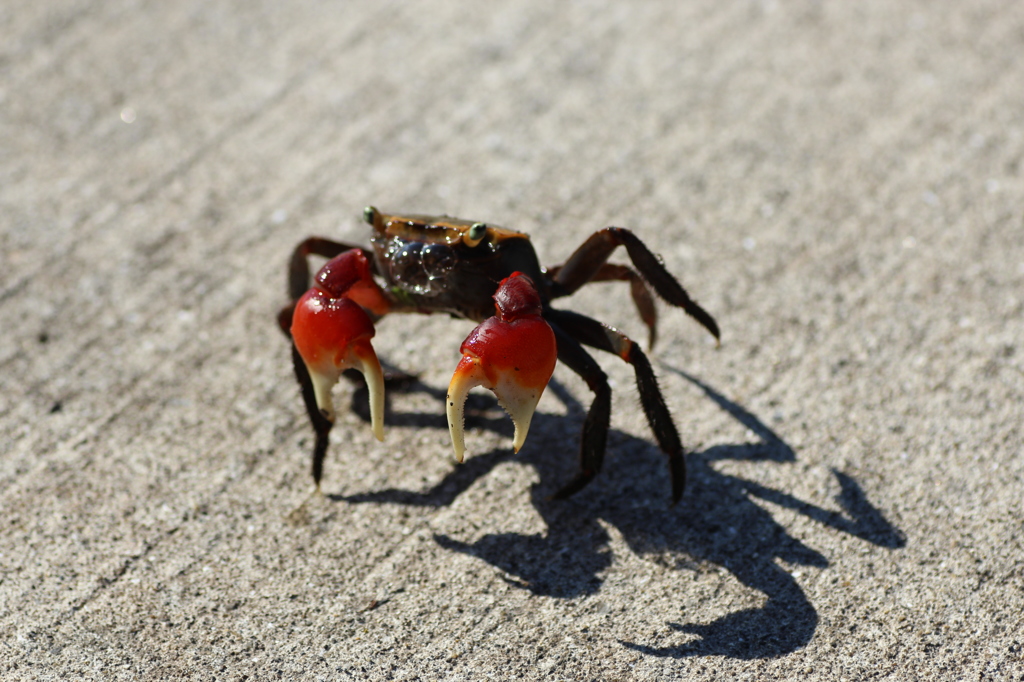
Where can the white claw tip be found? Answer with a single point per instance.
(365, 360)
(467, 375)
(520, 405)
(323, 382)
(519, 401)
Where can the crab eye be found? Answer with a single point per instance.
(370, 215)
(477, 231)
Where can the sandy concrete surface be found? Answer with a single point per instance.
(839, 183)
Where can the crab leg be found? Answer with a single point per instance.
(587, 261)
(332, 331)
(512, 353)
(641, 293)
(596, 335)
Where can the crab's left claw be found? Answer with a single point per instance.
(513, 354)
(332, 335)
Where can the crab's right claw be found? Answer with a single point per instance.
(332, 335)
(513, 354)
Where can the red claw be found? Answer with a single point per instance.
(513, 354)
(349, 276)
(332, 331)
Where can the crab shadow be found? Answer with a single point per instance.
(718, 522)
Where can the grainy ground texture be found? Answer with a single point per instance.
(839, 183)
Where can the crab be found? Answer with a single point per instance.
(489, 275)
